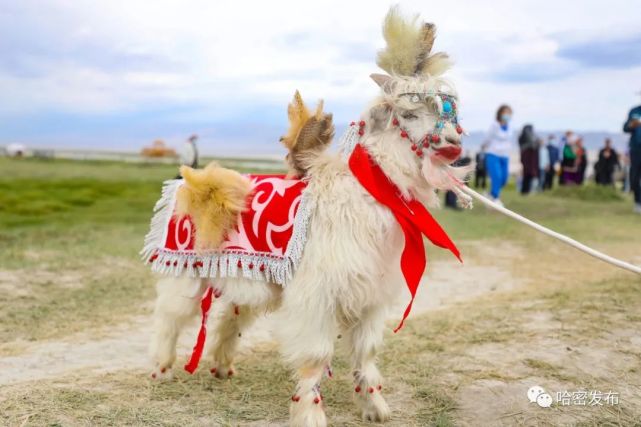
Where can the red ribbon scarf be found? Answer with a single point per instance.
(411, 215)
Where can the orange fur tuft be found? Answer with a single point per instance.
(213, 197)
(308, 134)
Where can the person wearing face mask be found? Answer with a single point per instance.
(499, 145)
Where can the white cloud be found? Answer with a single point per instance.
(218, 59)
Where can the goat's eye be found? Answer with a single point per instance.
(408, 116)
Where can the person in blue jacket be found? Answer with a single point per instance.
(633, 127)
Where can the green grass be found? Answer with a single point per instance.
(61, 216)
(71, 231)
(85, 220)
(589, 213)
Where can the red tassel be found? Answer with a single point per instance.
(196, 354)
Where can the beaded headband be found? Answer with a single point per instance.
(448, 113)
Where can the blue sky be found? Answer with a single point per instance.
(118, 74)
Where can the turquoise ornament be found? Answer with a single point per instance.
(447, 107)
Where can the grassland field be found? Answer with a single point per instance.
(70, 233)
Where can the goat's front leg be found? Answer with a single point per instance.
(364, 339)
(306, 409)
(307, 335)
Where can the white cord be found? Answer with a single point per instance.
(561, 237)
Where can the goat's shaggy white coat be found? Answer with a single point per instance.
(347, 278)
(349, 273)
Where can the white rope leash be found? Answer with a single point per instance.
(544, 230)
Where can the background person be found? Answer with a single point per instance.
(188, 155)
(451, 201)
(633, 127)
(569, 163)
(567, 139)
(499, 144)
(606, 164)
(544, 164)
(626, 172)
(553, 154)
(529, 145)
(189, 152)
(581, 161)
(480, 172)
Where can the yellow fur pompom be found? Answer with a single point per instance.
(213, 197)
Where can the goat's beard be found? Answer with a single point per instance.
(441, 176)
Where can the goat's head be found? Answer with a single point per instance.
(417, 106)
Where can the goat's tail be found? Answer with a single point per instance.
(213, 197)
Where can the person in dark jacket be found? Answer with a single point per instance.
(553, 153)
(633, 127)
(606, 164)
(529, 145)
(480, 172)
(582, 159)
(451, 201)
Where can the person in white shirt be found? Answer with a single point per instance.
(189, 152)
(499, 145)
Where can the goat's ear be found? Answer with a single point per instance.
(383, 80)
(379, 117)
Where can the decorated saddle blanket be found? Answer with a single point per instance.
(266, 244)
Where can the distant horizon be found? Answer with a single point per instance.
(118, 75)
(262, 148)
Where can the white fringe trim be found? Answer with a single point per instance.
(348, 141)
(220, 264)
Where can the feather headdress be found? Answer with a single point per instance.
(409, 46)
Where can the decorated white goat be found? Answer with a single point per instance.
(328, 251)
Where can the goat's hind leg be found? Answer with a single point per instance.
(241, 303)
(177, 303)
(229, 325)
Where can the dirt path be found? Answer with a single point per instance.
(126, 346)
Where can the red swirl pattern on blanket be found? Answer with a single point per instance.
(266, 226)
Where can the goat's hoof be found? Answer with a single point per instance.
(373, 406)
(307, 412)
(162, 374)
(376, 415)
(222, 372)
